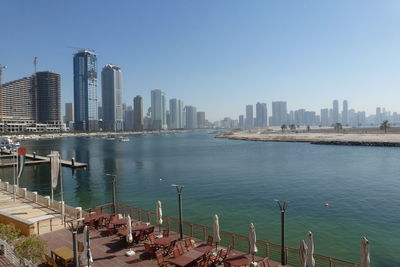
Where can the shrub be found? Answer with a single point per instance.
(9, 233)
(31, 248)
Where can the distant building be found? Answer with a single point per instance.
(201, 119)
(241, 121)
(191, 117)
(85, 91)
(325, 117)
(345, 113)
(111, 84)
(69, 113)
(279, 113)
(261, 115)
(158, 110)
(378, 116)
(128, 119)
(48, 97)
(335, 110)
(176, 113)
(249, 116)
(138, 121)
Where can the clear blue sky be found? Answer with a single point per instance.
(217, 55)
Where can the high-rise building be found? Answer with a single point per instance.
(176, 113)
(69, 113)
(378, 116)
(325, 117)
(241, 121)
(48, 97)
(111, 84)
(31, 100)
(345, 113)
(85, 91)
(138, 122)
(335, 112)
(158, 110)
(249, 116)
(201, 119)
(279, 113)
(128, 119)
(191, 117)
(261, 115)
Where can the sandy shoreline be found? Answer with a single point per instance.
(356, 139)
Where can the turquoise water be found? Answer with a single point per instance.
(239, 180)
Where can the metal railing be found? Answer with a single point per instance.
(238, 241)
(8, 252)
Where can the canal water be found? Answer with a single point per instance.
(239, 181)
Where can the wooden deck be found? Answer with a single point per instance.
(108, 250)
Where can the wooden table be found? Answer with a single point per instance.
(124, 231)
(237, 260)
(204, 248)
(186, 258)
(64, 253)
(163, 241)
(119, 221)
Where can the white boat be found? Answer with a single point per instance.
(123, 139)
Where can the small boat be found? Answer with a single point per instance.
(123, 139)
(110, 138)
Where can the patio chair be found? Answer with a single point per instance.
(180, 248)
(165, 233)
(160, 259)
(210, 240)
(224, 254)
(176, 253)
(149, 250)
(216, 259)
(169, 250)
(264, 263)
(188, 243)
(50, 261)
(151, 238)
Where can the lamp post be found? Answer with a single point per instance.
(282, 207)
(179, 190)
(73, 226)
(114, 194)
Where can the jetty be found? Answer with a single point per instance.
(6, 161)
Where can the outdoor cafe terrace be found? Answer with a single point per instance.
(108, 236)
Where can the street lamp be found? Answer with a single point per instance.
(179, 190)
(73, 226)
(282, 207)
(114, 198)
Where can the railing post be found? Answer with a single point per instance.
(48, 203)
(191, 230)
(233, 241)
(24, 192)
(140, 214)
(78, 212)
(286, 254)
(204, 233)
(168, 223)
(35, 197)
(148, 216)
(267, 250)
(51, 224)
(330, 262)
(37, 226)
(131, 212)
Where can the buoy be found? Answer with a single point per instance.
(326, 204)
(161, 179)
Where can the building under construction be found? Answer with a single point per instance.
(31, 104)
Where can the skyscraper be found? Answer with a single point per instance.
(249, 116)
(335, 114)
(111, 84)
(201, 119)
(85, 91)
(191, 117)
(241, 121)
(158, 110)
(69, 113)
(324, 117)
(138, 113)
(176, 113)
(48, 97)
(345, 113)
(279, 113)
(261, 115)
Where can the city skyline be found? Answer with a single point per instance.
(299, 53)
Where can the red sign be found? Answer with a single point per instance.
(22, 151)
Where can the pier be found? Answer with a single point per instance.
(34, 159)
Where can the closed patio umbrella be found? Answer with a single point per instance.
(129, 237)
(216, 236)
(364, 253)
(310, 250)
(86, 253)
(303, 254)
(252, 242)
(159, 215)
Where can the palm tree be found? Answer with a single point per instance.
(283, 127)
(385, 125)
(337, 126)
(292, 127)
